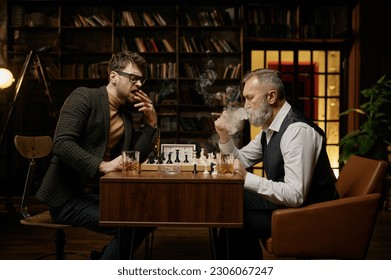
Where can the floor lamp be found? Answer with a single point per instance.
(42, 76)
(6, 78)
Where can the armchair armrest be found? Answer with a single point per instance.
(320, 230)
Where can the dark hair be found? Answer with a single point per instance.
(270, 77)
(121, 60)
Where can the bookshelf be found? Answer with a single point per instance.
(194, 52)
(299, 19)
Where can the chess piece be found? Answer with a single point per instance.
(151, 158)
(169, 159)
(160, 159)
(195, 169)
(177, 156)
(186, 160)
(206, 172)
(214, 171)
(212, 164)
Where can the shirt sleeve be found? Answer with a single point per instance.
(248, 155)
(300, 147)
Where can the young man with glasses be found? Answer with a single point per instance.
(292, 149)
(94, 126)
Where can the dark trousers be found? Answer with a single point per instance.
(244, 243)
(83, 211)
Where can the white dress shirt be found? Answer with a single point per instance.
(300, 148)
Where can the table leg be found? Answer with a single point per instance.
(119, 243)
(213, 240)
(227, 243)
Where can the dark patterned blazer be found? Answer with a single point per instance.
(80, 142)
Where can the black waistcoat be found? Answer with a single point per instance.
(323, 180)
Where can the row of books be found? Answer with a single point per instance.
(190, 71)
(193, 71)
(206, 18)
(164, 70)
(144, 45)
(131, 18)
(40, 19)
(82, 71)
(232, 71)
(190, 45)
(296, 22)
(94, 20)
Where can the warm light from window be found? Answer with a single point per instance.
(6, 78)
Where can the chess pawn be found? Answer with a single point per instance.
(169, 159)
(195, 169)
(213, 170)
(206, 172)
(177, 156)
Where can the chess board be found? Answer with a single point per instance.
(179, 154)
(145, 166)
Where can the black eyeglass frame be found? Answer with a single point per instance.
(133, 78)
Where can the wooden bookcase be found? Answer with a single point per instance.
(194, 53)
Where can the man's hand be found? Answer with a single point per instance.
(110, 166)
(221, 129)
(145, 105)
(239, 168)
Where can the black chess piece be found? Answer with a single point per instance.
(169, 159)
(160, 159)
(195, 169)
(177, 156)
(212, 164)
(186, 160)
(151, 158)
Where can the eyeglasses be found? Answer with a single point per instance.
(132, 77)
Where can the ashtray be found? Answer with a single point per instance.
(171, 169)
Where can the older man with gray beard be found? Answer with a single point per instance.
(293, 152)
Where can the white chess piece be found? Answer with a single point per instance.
(206, 172)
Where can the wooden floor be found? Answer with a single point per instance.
(20, 242)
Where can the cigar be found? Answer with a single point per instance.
(215, 114)
(142, 96)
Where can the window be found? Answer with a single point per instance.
(312, 81)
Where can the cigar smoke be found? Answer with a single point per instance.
(234, 117)
(207, 78)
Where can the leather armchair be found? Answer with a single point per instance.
(338, 229)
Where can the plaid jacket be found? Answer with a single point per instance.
(80, 142)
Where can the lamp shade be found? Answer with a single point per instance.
(6, 78)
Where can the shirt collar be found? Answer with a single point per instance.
(276, 124)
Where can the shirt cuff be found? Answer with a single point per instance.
(252, 182)
(227, 147)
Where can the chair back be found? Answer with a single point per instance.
(361, 176)
(32, 148)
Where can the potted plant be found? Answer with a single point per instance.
(374, 135)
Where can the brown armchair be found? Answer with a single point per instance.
(338, 229)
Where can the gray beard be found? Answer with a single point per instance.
(259, 117)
